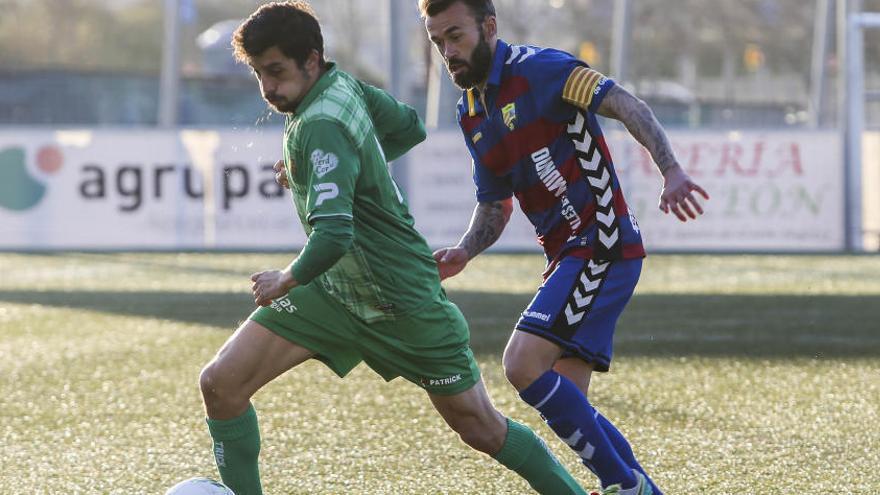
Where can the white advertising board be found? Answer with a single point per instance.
(147, 189)
(775, 191)
(207, 189)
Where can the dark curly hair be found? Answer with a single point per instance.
(292, 26)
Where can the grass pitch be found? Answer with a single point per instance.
(732, 375)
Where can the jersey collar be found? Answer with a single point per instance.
(320, 85)
(502, 49)
(501, 52)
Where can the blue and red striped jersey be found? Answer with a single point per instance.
(539, 139)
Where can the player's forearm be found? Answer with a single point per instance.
(487, 224)
(329, 241)
(641, 123)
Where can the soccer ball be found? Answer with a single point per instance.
(199, 486)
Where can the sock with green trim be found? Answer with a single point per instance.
(526, 454)
(236, 449)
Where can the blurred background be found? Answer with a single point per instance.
(773, 104)
(126, 128)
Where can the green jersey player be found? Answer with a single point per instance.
(365, 286)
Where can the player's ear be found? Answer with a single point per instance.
(313, 61)
(490, 27)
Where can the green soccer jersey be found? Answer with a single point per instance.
(336, 146)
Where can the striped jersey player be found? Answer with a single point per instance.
(529, 117)
(546, 148)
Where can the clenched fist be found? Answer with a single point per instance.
(281, 174)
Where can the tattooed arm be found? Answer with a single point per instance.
(678, 188)
(487, 223)
(636, 115)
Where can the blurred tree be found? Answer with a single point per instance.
(714, 35)
(355, 35)
(123, 35)
(673, 39)
(83, 34)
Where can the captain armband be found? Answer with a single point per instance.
(582, 85)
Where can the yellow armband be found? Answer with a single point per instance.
(581, 86)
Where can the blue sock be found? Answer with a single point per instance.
(569, 414)
(623, 449)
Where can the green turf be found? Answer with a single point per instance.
(732, 375)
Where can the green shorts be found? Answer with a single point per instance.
(429, 347)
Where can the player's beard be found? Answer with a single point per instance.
(281, 104)
(476, 69)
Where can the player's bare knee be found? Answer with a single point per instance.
(208, 384)
(215, 393)
(512, 361)
(520, 372)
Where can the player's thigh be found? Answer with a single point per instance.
(250, 358)
(527, 350)
(311, 318)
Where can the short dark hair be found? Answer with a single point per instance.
(479, 8)
(292, 26)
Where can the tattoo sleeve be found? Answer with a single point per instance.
(487, 224)
(640, 121)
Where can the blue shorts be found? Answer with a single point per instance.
(578, 306)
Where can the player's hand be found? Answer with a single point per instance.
(678, 194)
(450, 261)
(270, 285)
(281, 174)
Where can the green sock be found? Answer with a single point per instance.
(525, 454)
(236, 448)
